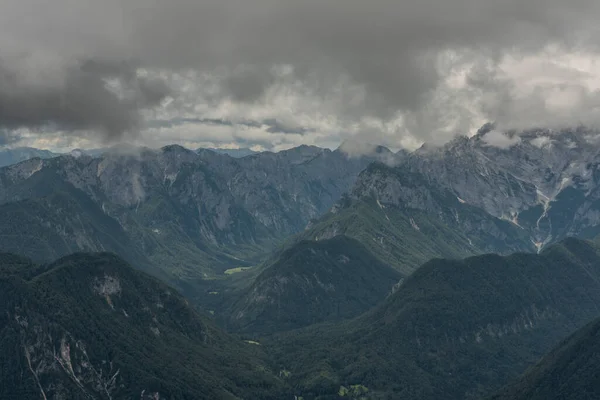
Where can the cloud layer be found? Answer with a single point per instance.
(288, 72)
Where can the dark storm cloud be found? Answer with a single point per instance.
(275, 126)
(388, 48)
(82, 100)
(248, 84)
(270, 125)
(8, 136)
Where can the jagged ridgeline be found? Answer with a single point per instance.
(471, 197)
(190, 215)
(545, 182)
(206, 222)
(90, 327)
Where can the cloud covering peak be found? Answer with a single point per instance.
(398, 73)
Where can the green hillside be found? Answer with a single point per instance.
(90, 327)
(570, 372)
(313, 282)
(454, 329)
(401, 239)
(405, 220)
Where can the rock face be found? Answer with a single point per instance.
(413, 191)
(540, 189)
(197, 213)
(405, 219)
(545, 183)
(471, 197)
(192, 213)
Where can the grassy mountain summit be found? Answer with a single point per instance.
(454, 329)
(570, 372)
(313, 282)
(90, 327)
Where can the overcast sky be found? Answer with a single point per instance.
(279, 73)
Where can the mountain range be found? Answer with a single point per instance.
(192, 214)
(454, 329)
(545, 183)
(523, 197)
(356, 273)
(189, 216)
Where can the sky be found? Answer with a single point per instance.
(272, 74)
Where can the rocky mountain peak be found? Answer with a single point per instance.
(175, 148)
(544, 182)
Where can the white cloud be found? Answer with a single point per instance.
(541, 141)
(395, 73)
(500, 139)
(548, 89)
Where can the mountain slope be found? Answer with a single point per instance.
(55, 219)
(453, 329)
(403, 240)
(545, 182)
(404, 220)
(90, 327)
(313, 282)
(571, 371)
